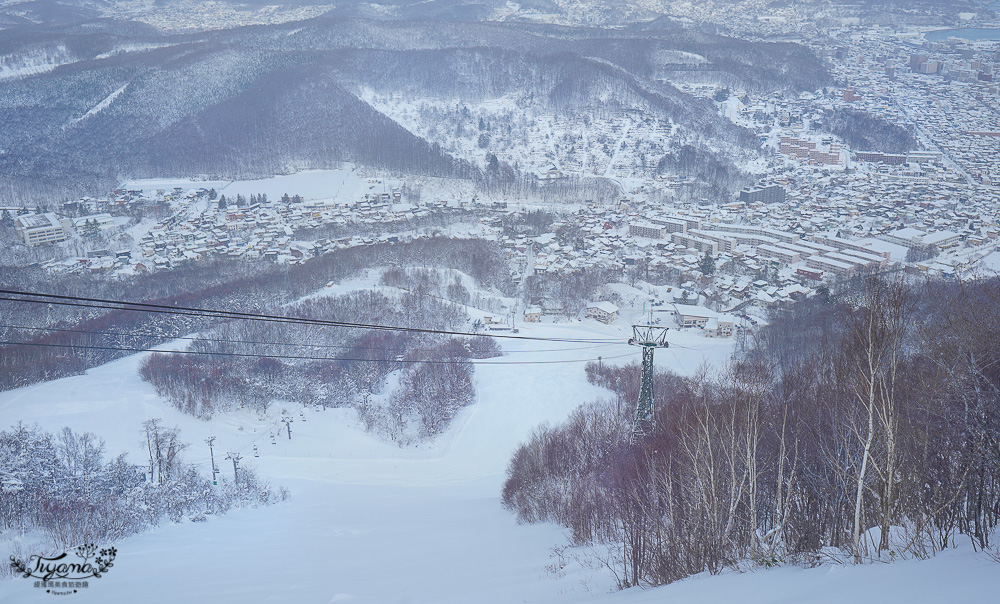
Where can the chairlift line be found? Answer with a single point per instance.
(304, 357)
(256, 342)
(225, 314)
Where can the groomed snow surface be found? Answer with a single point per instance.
(344, 185)
(370, 522)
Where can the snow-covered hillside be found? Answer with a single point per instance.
(534, 139)
(33, 63)
(370, 522)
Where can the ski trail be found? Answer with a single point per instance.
(617, 151)
(552, 147)
(100, 106)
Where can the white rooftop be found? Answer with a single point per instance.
(607, 307)
(694, 311)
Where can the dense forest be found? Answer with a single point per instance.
(866, 132)
(860, 426)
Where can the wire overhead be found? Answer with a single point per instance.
(312, 358)
(127, 334)
(226, 314)
(107, 304)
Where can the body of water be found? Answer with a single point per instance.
(968, 33)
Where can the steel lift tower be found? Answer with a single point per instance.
(649, 338)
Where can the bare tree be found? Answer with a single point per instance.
(877, 328)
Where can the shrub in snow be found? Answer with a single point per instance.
(62, 487)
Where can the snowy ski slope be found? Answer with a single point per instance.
(370, 522)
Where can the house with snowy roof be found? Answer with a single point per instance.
(605, 312)
(720, 326)
(693, 315)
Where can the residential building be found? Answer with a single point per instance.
(605, 312)
(533, 314)
(695, 243)
(720, 326)
(785, 256)
(908, 237)
(769, 194)
(942, 239)
(645, 229)
(829, 265)
(693, 316)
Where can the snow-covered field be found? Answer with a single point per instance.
(343, 185)
(370, 522)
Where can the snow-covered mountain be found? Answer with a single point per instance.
(253, 101)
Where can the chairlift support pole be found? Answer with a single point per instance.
(649, 338)
(236, 457)
(211, 452)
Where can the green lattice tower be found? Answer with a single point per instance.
(649, 338)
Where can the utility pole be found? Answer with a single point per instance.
(288, 424)
(236, 457)
(210, 440)
(649, 338)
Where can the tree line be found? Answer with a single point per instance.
(214, 283)
(859, 427)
